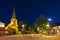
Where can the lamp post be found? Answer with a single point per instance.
(23, 28)
(48, 29)
(47, 25)
(23, 25)
(38, 29)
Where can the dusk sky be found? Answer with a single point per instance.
(29, 10)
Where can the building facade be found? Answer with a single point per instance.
(12, 27)
(2, 29)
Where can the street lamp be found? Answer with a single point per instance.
(23, 25)
(37, 29)
(49, 19)
(23, 28)
(48, 25)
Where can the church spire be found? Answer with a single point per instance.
(13, 14)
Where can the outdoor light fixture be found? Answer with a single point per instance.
(49, 19)
(37, 29)
(48, 25)
(23, 25)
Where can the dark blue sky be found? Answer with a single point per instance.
(29, 10)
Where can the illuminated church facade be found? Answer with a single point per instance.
(12, 27)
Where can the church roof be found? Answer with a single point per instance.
(13, 14)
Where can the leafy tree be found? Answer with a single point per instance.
(41, 23)
(29, 28)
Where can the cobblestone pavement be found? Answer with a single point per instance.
(24, 37)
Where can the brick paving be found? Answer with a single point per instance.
(24, 37)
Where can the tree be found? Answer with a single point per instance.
(41, 23)
(29, 29)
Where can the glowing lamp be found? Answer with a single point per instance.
(49, 19)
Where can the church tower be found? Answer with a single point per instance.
(12, 27)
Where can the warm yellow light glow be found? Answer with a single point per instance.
(2, 24)
(58, 26)
(48, 25)
(13, 24)
(23, 25)
(37, 29)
